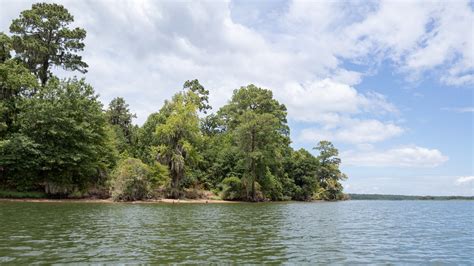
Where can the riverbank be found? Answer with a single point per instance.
(168, 201)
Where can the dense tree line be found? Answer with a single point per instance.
(55, 135)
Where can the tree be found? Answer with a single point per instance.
(257, 100)
(328, 171)
(260, 132)
(131, 180)
(5, 47)
(42, 38)
(20, 160)
(16, 150)
(177, 136)
(66, 121)
(16, 84)
(256, 138)
(202, 99)
(120, 117)
(147, 139)
(301, 167)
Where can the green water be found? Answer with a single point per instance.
(295, 233)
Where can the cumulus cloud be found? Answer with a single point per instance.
(314, 101)
(353, 131)
(426, 37)
(145, 50)
(409, 156)
(464, 180)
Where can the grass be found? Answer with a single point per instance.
(22, 195)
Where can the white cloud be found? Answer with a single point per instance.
(145, 50)
(426, 37)
(353, 131)
(464, 180)
(409, 156)
(314, 101)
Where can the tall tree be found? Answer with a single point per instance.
(259, 127)
(302, 168)
(16, 84)
(119, 116)
(328, 171)
(201, 93)
(257, 100)
(66, 121)
(257, 139)
(42, 38)
(177, 136)
(5, 47)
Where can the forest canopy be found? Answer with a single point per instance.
(57, 137)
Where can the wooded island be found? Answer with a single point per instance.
(56, 137)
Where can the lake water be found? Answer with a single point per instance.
(341, 232)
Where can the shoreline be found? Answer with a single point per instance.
(157, 201)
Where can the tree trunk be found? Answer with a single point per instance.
(254, 176)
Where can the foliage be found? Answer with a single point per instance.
(258, 126)
(232, 188)
(65, 120)
(55, 135)
(131, 180)
(20, 161)
(5, 47)
(120, 117)
(302, 168)
(202, 99)
(42, 39)
(177, 136)
(328, 172)
(16, 84)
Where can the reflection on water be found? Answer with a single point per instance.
(342, 232)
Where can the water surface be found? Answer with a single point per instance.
(340, 232)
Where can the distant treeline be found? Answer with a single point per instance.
(56, 137)
(403, 197)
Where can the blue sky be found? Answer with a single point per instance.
(389, 82)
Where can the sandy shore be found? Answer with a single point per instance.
(168, 201)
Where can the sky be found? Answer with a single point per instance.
(390, 83)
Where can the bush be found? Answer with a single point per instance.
(131, 180)
(232, 188)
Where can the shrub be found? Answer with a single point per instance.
(232, 188)
(131, 180)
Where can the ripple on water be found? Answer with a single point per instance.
(342, 232)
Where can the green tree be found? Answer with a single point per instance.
(202, 99)
(119, 116)
(260, 133)
(5, 47)
(42, 38)
(20, 161)
(65, 119)
(257, 100)
(177, 136)
(302, 168)
(328, 171)
(131, 180)
(147, 139)
(16, 84)
(256, 139)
